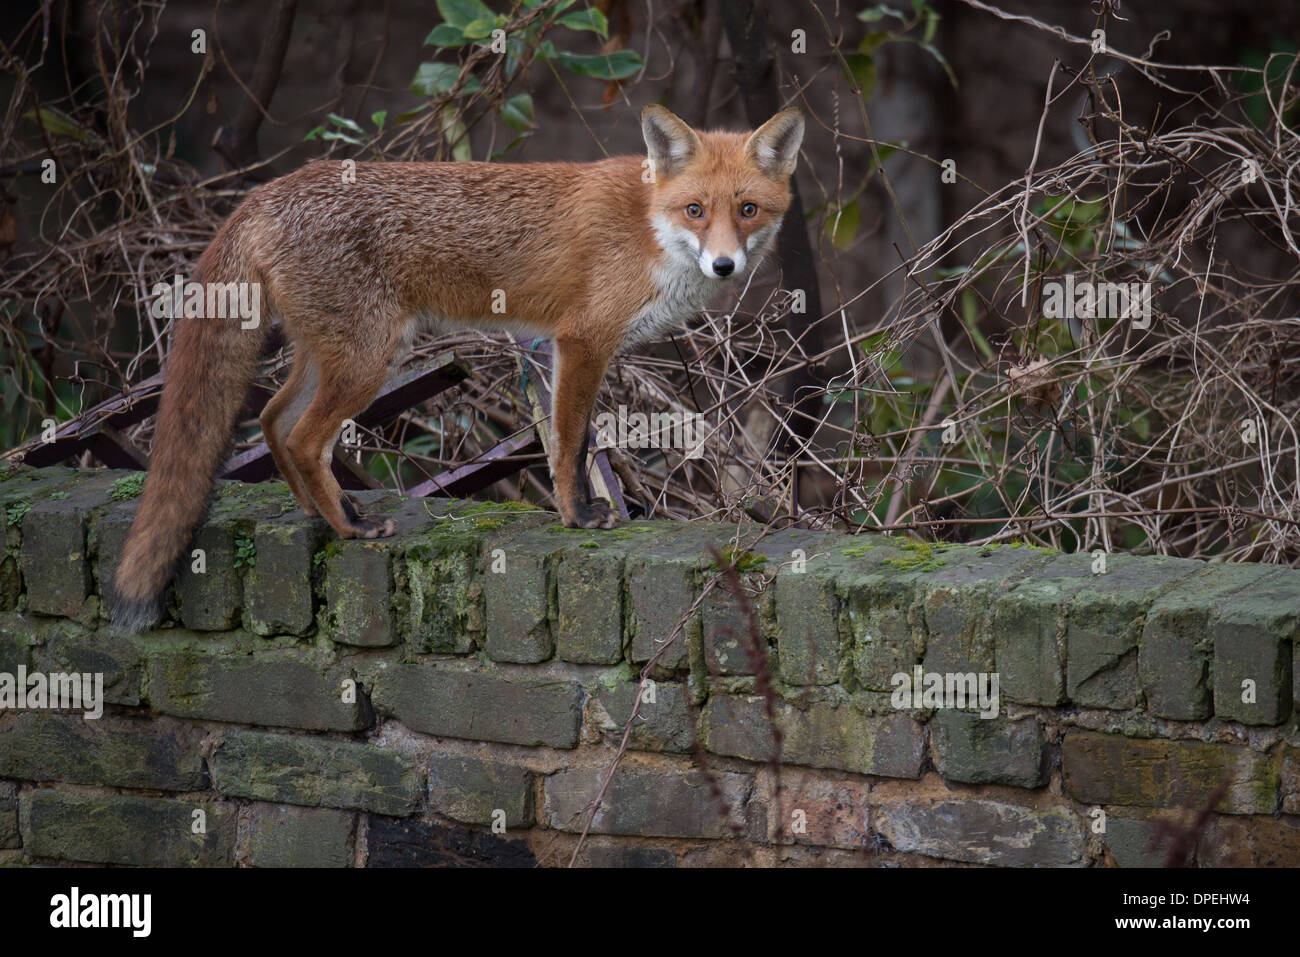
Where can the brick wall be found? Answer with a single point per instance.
(456, 693)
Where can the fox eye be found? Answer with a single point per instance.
(748, 210)
(695, 210)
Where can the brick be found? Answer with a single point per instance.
(661, 725)
(315, 772)
(447, 567)
(110, 531)
(136, 831)
(67, 648)
(807, 624)
(607, 853)
(984, 832)
(1253, 634)
(482, 705)
(727, 632)
(821, 736)
(1250, 842)
(298, 837)
(957, 599)
(414, 843)
(211, 600)
(55, 566)
(1146, 772)
(275, 688)
(48, 746)
(589, 626)
(1175, 653)
(649, 802)
(660, 592)
(278, 588)
(975, 750)
(9, 836)
(888, 636)
(1103, 627)
(1290, 777)
(820, 812)
(1137, 843)
(15, 644)
(473, 789)
(358, 607)
(517, 602)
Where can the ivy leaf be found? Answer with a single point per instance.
(878, 12)
(445, 35)
(588, 19)
(436, 79)
(479, 29)
(345, 123)
(618, 65)
(461, 13)
(517, 112)
(842, 225)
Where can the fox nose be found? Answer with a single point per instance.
(723, 266)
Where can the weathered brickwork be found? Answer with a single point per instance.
(457, 693)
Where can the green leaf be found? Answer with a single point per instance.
(879, 12)
(460, 13)
(479, 29)
(59, 125)
(842, 225)
(517, 112)
(588, 19)
(931, 49)
(970, 316)
(618, 65)
(378, 118)
(436, 79)
(335, 135)
(345, 123)
(445, 35)
(862, 69)
(315, 133)
(453, 129)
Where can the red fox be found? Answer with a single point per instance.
(598, 256)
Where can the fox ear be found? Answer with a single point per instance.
(774, 146)
(670, 143)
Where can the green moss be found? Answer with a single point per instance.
(743, 561)
(921, 557)
(127, 487)
(15, 512)
(590, 545)
(858, 551)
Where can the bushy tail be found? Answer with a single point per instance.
(211, 363)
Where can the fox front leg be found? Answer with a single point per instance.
(580, 369)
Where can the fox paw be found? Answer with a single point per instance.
(597, 513)
(363, 527)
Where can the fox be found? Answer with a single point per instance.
(600, 257)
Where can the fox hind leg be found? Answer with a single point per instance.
(282, 414)
(347, 386)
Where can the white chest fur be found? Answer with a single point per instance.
(681, 287)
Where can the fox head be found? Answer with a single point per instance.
(719, 197)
